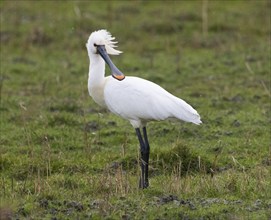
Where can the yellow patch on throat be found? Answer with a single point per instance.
(119, 77)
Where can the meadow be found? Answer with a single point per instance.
(63, 157)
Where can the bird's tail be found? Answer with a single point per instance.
(186, 112)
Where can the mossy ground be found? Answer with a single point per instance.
(62, 157)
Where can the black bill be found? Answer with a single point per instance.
(115, 72)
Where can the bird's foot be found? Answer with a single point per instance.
(143, 184)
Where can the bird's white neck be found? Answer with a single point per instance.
(96, 78)
(96, 70)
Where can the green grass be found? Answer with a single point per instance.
(62, 157)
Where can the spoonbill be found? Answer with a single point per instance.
(132, 98)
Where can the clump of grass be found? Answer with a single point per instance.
(181, 158)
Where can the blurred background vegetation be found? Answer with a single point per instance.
(61, 156)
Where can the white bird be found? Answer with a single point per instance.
(132, 98)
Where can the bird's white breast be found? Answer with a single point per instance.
(97, 94)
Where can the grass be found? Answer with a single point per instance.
(62, 157)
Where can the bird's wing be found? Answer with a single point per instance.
(137, 99)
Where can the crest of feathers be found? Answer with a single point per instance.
(103, 37)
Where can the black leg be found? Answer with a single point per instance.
(147, 154)
(143, 183)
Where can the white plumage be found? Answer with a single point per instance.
(140, 101)
(131, 98)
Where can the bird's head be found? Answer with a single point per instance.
(102, 43)
(102, 38)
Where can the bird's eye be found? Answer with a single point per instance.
(95, 45)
